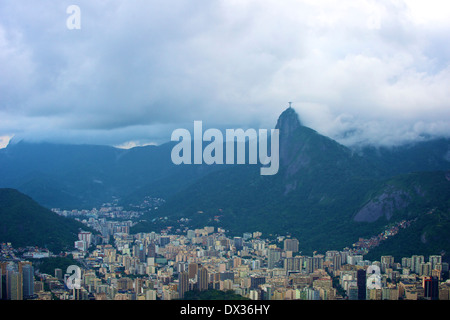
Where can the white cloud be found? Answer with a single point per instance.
(138, 69)
(4, 140)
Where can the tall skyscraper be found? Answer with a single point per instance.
(183, 284)
(431, 288)
(238, 243)
(202, 279)
(14, 285)
(28, 281)
(151, 250)
(361, 283)
(139, 252)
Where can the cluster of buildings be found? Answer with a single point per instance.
(113, 210)
(364, 245)
(153, 266)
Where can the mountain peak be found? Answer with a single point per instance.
(288, 122)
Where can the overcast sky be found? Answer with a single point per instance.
(357, 71)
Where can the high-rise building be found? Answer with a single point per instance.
(352, 292)
(58, 274)
(309, 265)
(28, 281)
(139, 251)
(183, 284)
(124, 284)
(361, 283)
(256, 264)
(163, 241)
(190, 234)
(425, 269)
(237, 261)
(151, 250)
(337, 261)
(14, 285)
(139, 285)
(291, 245)
(202, 279)
(406, 262)
(266, 292)
(354, 259)
(415, 263)
(318, 260)
(192, 270)
(273, 256)
(294, 264)
(431, 288)
(227, 276)
(86, 237)
(238, 243)
(254, 295)
(80, 245)
(388, 261)
(435, 260)
(256, 281)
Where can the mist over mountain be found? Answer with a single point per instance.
(325, 194)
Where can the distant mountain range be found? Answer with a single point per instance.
(325, 194)
(86, 176)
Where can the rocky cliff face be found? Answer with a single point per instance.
(384, 205)
(306, 154)
(293, 152)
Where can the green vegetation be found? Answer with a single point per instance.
(48, 265)
(23, 222)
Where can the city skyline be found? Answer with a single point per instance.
(165, 266)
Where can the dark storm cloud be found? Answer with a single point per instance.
(358, 71)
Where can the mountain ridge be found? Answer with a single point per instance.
(319, 195)
(325, 193)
